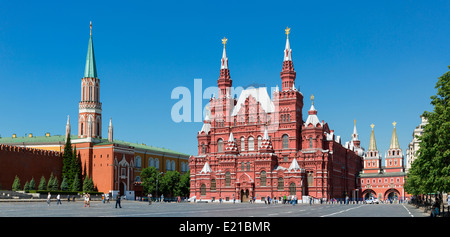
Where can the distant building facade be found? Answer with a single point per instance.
(413, 146)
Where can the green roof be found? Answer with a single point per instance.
(60, 139)
(91, 69)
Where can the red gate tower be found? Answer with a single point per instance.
(256, 147)
(90, 108)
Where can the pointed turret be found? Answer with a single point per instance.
(224, 83)
(312, 115)
(67, 127)
(90, 69)
(394, 139)
(266, 144)
(110, 131)
(287, 72)
(372, 142)
(231, 146)
(355, 136)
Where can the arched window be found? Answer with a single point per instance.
(292, 189)
(227, 179)
(167, 165)
(248, 166)
(251, 144)
(172, 167)
(203, 148)
(82, 129)
(280, 184)
(310, 142)
(263, 178)
(220, 145)
(151, 162)
(203, 190)
(310, 178)
(242, 166)
(242, 144)
(213, 185)
(285, 141)
(157, 163)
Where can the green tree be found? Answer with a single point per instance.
(16, 184)
(430, 172)
(76, 168)
(185, 183)
(76, 186)
(32, 184)
(170, 184)
(68, 162)
(52, 184)
(149, 177)
(42, 183)
(26, 187)
(88, 185)
(64, 185)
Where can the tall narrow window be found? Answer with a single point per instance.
(310, 179)
(263, 178)
(203, 190)
(248, 166)
(292, 189)
(220, 145)
(242, 144)
(280, 184)
(285, 141)
(259, 142)
(251, 144)
(213, 185)
(227, 179)
(310, 142)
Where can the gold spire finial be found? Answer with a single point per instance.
(372, 126)
(224, 41)
(287, 30)
(90, 28)
(354, 121)
(394, 123)
(312, 99)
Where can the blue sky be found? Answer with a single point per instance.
(376, 62)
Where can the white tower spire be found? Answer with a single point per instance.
(67, 127)
(110, 131)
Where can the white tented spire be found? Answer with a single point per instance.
(68, 127)
(355, 136)
(224, 61)
(287, 50)
(110, 131)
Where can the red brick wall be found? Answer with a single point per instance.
(28, 163)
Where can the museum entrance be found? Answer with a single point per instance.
(244, 195)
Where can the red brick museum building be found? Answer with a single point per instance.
(256, 147)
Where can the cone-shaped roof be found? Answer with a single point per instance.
(90, 69)
(372, 142)
(394, 139)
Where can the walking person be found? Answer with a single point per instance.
(149, 198)
(49, 196)
(118, 200)
(58, 200)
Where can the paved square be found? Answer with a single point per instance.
(142, 209)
